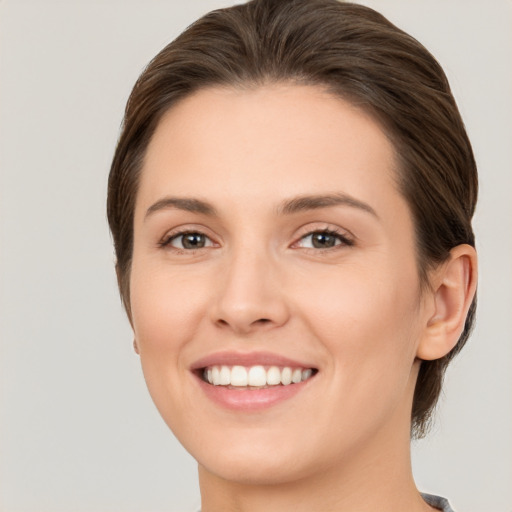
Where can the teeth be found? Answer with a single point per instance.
(273, 376)
(307, 373)
(296, 376)
(215, 376)
(238, 376)
(255, 376)
(224, 376)
(286, 376)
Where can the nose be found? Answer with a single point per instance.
(250, 294)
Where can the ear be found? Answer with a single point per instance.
(453, 289)
(136, 346)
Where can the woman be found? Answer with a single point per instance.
(291, 201)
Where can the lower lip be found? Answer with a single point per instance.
(251, 399)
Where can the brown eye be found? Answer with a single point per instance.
(190, 241)
(323, 240)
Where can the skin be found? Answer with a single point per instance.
(354, 311)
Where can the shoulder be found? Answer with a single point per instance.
(438, 502)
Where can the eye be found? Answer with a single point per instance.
(189, 240)
(323, 239)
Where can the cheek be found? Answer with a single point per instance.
(369, 328)
(167, 310)
(368, 321)
(384, 294)
(164, 304)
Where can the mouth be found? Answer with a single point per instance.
(251, 382)
(255, 377)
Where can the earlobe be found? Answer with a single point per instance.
(454, 286)
(136, 346)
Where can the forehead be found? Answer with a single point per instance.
(267, 142)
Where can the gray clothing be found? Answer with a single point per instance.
(435, 501)
(438, 502)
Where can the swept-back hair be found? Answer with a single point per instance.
(356, 54)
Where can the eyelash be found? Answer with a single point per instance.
(342, 238)
(167, 240)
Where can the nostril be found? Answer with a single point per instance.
(260, 321)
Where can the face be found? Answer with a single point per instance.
(271, 244)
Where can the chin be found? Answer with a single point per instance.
(254, 460)
(258, 470)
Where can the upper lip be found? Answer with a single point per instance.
(231, 358)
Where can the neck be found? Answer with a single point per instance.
(376, 478)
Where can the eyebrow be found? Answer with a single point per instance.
(315, 202)
(287, 207)
(187, 204)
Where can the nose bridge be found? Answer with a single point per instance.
(250, 295)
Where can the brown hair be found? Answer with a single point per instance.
(355, 53)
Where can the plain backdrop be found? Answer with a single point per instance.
(78, 431)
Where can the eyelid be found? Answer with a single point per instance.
(165, 241)
(345, 236)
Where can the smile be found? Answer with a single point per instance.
(255, 377)
(252, 381)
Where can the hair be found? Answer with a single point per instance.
(356, 54)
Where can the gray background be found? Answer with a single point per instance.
(78, 431)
